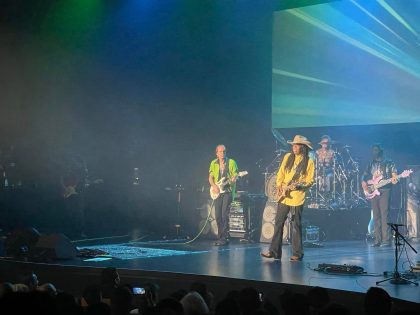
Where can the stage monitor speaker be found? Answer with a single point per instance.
(21, 241)
(54, 246)
(413, 202)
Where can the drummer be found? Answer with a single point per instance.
(325, 159)
(325, 154)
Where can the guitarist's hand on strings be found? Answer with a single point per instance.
(394, 179)
(215, 189)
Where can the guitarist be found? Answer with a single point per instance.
(221, 167)
(380, 166)
(296, 167)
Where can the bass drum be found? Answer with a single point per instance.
(271, 187)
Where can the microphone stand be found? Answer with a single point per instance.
(397, 278)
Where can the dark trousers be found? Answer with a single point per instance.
(380, 208)
(296, 227)
(221, 208)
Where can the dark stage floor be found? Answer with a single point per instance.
(242, 261)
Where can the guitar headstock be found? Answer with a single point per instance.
(243, 173)
(406, 173)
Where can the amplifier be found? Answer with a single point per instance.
(237, 222)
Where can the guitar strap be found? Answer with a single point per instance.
(226, 169)
(298, 171)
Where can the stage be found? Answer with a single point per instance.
(238, 262)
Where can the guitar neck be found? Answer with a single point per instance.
(385, 182)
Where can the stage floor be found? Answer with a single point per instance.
(243, 261)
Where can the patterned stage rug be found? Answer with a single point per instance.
(126, 252)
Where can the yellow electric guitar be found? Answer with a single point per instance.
(284, 191)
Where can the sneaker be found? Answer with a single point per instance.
(269, 254)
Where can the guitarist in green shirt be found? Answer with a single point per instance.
(222, 168)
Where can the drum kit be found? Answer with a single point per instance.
(337, 177)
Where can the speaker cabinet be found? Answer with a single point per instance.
(54, 246)
(268, 221)
(21, 242)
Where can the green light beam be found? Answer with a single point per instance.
(398, 17)
(302, 77)
(378, 21)
(331, 30)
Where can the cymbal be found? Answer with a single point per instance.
(279, 137)
(347, 146)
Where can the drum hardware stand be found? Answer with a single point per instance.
(178, 189)
(397, 278)
(316, 183)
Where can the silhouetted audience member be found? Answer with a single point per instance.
(48, 288)
(194, 304)
(335, 309)
(6, 288)
(377, 302)
(269, 307)
(208, 297)
(405, 312)
(295, 304)
(318, 298)
(110, 280)
(227, 307)
(179, 294)
(169, 306)
(98, 309)
(31, 280)
(20, 287)
(249, 301)
(66, 304)
(92, 294)
(122, 301)
(234, 295)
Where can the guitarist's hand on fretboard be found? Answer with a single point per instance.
(364, 186)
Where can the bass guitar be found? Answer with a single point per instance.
(377, 182)
(221, 183)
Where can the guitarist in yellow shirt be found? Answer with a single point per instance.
(294, 177)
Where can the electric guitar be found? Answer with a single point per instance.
(221, 183)
(377, 182)
(285, 190)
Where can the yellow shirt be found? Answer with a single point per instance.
(297, 197)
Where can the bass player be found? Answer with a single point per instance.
(384, 168)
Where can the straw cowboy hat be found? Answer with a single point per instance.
(298, 139)
(325, 139)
